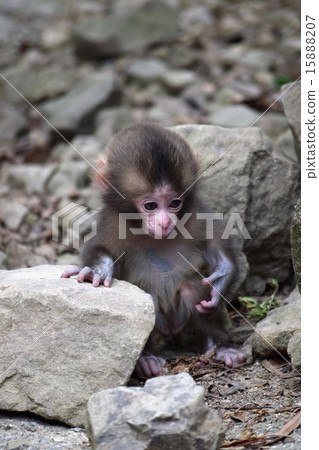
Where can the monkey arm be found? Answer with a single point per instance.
(219, 280)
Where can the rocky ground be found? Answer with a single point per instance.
(93, 67)
(220, 63)
(258, 403)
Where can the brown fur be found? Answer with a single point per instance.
(139, 158)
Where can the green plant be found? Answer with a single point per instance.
(260, 310)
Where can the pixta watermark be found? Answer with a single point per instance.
(74, 225)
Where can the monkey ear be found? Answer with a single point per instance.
(101, 174)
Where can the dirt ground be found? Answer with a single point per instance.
(259, 404)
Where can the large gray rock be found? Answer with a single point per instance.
(291, 100)
(240, 175)
(151, 23)
(280, 332)
(75, 110)
(168, 412)
(62, 340)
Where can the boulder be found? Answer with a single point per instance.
(168, 412)
(62, 341)
(280, 332)
(241, 175)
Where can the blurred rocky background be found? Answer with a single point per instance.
(82, 70)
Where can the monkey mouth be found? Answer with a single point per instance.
(159, 234)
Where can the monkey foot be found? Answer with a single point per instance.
(231, 356)
(149, 366)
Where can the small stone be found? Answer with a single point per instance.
(12, 213)
(55, 35)
(146, 70)
(195, 19)
(176, 80)
(32, 177)
(233, 116)
(75, 110)
(12, 123)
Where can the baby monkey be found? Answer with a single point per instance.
(151, 232)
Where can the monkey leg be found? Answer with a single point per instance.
(218, 343)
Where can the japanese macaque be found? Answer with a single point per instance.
(149, 233)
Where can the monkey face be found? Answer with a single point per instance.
(159, 211)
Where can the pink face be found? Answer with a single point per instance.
(159, 211)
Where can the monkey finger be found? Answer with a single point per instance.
(96, 280)
(208, 307)
(107, 279)
(74, 270)
(85, 274)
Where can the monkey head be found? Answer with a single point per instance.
(151, 171)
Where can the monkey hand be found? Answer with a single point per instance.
(149, 366)
(208, 308)
(101, 274)
(231, 356)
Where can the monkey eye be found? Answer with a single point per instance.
(176, 203)
(150, 206)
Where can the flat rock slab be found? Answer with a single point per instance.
(167, 413)
(62, 341)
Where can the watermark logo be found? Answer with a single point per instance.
(74, 225)
(233, 226)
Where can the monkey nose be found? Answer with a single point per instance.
(165, 221)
